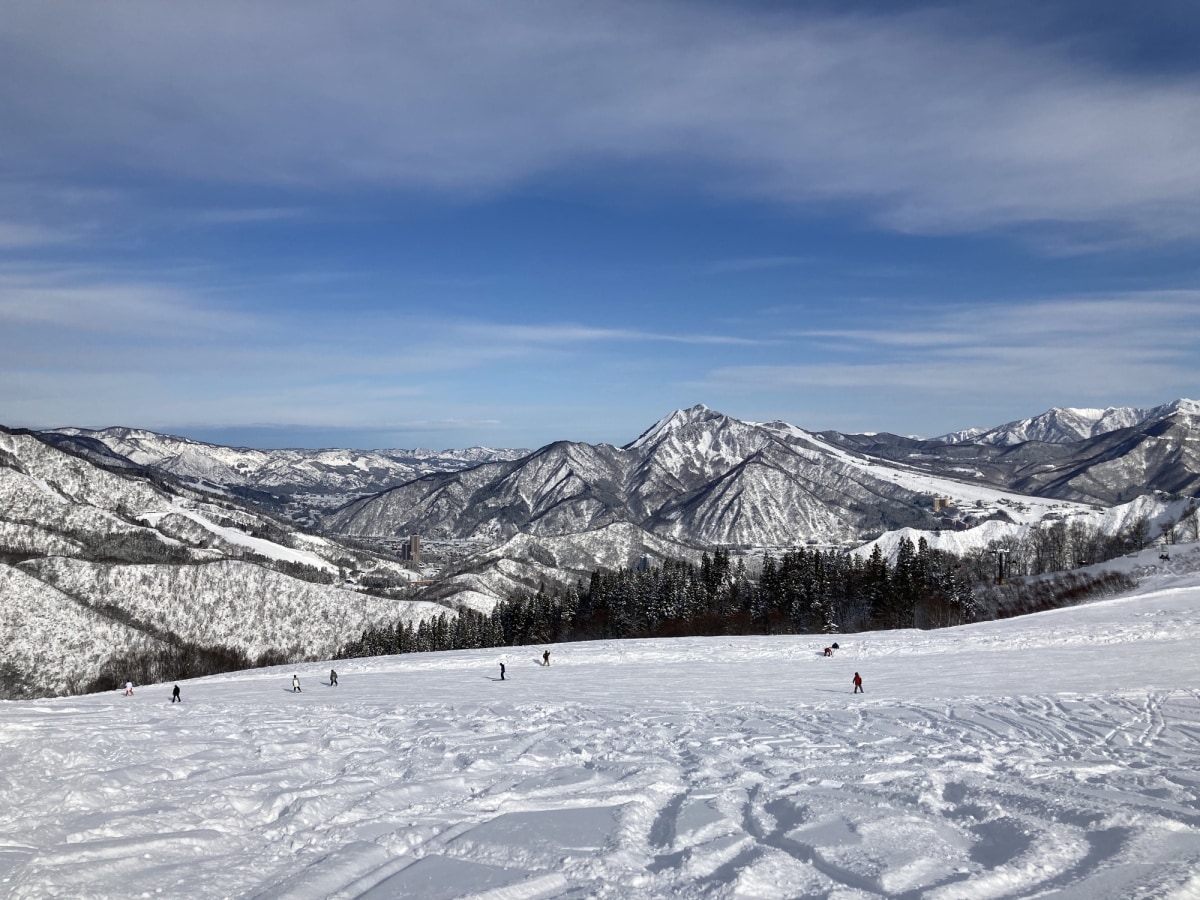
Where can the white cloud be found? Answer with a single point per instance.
(927, 124)
(20, 235)
(757, 263)
(85, 304)
(1024, 356)
(242, 216)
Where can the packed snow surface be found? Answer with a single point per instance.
(1052, 755)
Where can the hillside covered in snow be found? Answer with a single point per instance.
(97, 562)
(296, 482)
(1051, 755)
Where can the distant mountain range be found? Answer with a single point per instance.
(298, 483)
(1114, 463)
(1068, 425)
(697, 477)
(700, 477)
(122, 538)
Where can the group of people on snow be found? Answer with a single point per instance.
(333, 682)
(333, 677)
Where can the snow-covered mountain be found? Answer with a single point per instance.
(301, 481)
(1161, 453)
(97, 561)
(697, 477)
(1067, 425)
(702, 478)
(1052, 755)
(1159, 511)
(526, 562)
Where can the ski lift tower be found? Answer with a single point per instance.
(1000, 552)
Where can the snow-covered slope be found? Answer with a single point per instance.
(526, 562)
(94, 563)
(1048, 756)
(1157, 511)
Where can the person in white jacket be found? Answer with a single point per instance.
(296, 685)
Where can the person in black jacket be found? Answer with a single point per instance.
(175, 695)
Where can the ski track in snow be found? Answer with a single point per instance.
(1054, 755)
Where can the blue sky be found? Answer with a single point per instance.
(458, 223)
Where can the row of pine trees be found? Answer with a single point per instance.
(802, 591)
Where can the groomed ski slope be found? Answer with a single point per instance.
(1053, 755)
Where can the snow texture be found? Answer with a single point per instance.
(1052, 755)
(62, 616)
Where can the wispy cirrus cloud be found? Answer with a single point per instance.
(22, 235)
(926, 121)
(575, 334)
(756, 263)
(950, 364)
(82, 344)
(77, 302)
(241, 215)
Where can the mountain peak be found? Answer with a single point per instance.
(674, 421)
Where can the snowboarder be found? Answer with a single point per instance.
(332, 678)
(175, 695)
(546, 658)
(296, 685)
(129, 689)
(501, 671)
(829, 651)
(858, 688)
(834, 645)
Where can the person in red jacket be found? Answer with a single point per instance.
(858, 688)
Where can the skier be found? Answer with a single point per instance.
(546, 658)
(175, 695)
(332, 678)
(296, 685)
(129, 689)
(858, 688)
(829, 651)
(501, 671)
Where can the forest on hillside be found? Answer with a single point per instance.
(801, 591)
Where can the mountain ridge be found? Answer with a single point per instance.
(1069, 424)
